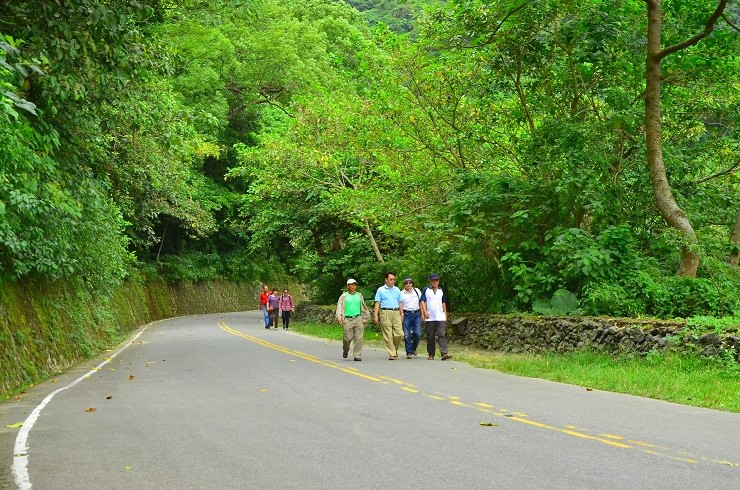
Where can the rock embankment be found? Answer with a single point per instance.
(539, 334)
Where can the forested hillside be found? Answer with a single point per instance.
(399, 16)
(575, 156)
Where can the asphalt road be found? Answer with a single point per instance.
(217, 401)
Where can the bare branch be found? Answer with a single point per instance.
(695, 39)
(730, 23)
(730, 170)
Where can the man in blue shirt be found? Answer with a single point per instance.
(389, 314)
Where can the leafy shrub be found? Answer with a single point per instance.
(684, 297)
(563, 302)
(611, 299)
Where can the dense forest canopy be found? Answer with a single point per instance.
(556, 156)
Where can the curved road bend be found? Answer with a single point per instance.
(217, 401)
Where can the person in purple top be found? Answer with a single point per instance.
(273, 308)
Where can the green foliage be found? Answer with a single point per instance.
(562, 303)
(54, 222)
(612, 299)
(195, 266)
(702, 324)
(501, 144)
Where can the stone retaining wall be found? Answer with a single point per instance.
(566, 334)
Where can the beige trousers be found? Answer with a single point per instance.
(390, 326)
(353, 332)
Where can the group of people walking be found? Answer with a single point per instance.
(399, 313)
(275, 307)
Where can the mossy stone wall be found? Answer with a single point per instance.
(541, 334)
(48, 327)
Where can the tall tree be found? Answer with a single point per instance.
(669, 209)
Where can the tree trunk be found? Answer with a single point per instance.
(161, 242)
(735, 240)
(317, 243)
(667, 205)
(373, 243)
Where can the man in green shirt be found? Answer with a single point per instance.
(352, 313)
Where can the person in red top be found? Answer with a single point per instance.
(286, 307)
(263, 304)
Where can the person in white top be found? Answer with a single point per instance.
(411, 317)
(433, 305)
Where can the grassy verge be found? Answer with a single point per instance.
(674, 377)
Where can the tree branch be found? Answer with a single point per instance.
(695, 39)
(730, 23)
(730, 170)
(500, 24)
(269, 101)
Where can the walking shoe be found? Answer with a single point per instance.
(357, 359)
(446, 356)
(409, 356)
(344, 354)
(430, 358)
(413, 353)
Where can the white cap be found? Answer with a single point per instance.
(351, 281)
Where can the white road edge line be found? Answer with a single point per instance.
(20, 450)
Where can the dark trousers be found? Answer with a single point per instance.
(274, 317)
(436, 329)
(286, 318)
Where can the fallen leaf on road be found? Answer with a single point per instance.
(131, 377)
(127, 468)
(53, 381)
(263, 390)
(91, 409)
(109, 397)
(488, 424)
(15, 426)
(589, 389)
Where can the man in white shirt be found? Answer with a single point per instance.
(411, 316)
(433, 305)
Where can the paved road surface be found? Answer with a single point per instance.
(217, 401)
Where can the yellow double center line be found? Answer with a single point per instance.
(609, 439)
(301, 355)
